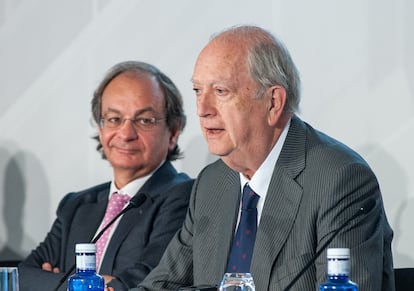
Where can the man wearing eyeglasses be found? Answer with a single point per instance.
(139, 115)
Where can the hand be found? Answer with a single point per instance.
(108, 278)
(48, 267)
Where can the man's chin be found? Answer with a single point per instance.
(219, 152)
(127, 165)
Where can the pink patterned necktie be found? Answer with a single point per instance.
(115, 205)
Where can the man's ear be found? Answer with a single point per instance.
(277, 103)
(174, 139)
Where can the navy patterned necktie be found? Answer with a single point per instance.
(243, 242)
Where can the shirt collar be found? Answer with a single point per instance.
(132, 187)
(261, 178)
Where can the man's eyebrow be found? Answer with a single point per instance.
(144, 110)
(137, 112)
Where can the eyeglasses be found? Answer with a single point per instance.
(141, 123)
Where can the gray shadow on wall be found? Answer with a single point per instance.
(395, 195)
(14, 192)
(20, 170)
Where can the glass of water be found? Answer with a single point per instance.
(237, 282)
(9, 279)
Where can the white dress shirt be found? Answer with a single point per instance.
(261, 178)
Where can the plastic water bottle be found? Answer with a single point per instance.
(338, 271)
(86, 278)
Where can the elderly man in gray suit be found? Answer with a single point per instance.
(248, 92)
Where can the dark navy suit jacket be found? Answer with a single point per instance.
(137, 243)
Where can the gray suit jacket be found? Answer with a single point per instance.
(137, 243)
(317, 184)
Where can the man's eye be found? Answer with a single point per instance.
(145, 121)
(220, 91)
(113, 120)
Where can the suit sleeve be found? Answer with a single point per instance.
(368, 236)
(31, 275)
(175, 268)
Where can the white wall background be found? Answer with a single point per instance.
(355, 56)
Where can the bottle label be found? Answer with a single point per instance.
(338, 267)
(85, 262)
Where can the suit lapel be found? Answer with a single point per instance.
(160, 180)
(230, 199)
(92, 209)
(152, 188)
(92, 212)
(277, 219)
(215, 214)
(281, 205)
(127, 222)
